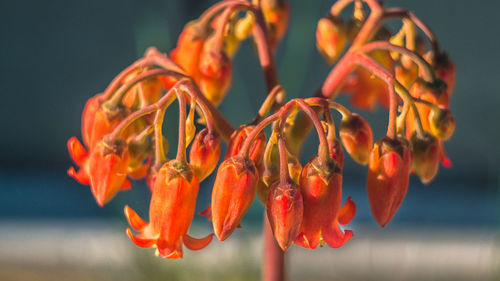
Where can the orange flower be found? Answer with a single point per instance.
(276, 14)
(285, 210)
(236, 142)
(357, 137)
(108, 170)
(233, 193)
(331, 38)
(80, 156)
(388, 177)
(204, 153)
(171, 211)
(216, 70)
(321, 187)
(188, 49)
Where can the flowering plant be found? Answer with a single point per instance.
(122, 128)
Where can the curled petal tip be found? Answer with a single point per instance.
(347, 212)
(140, 241)
(134, 220)
(195, 244)
(78, 176)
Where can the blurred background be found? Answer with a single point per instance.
(56, 54)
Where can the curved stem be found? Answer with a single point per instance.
(394, 87)
(315, 101)
(118, 95)
(277, 93)
(341, 4)
(160, 104)
(253, 134)
(284, 173)
(224, 128)
(331, 124)
(181, 144)
(429, 75)
(259, 32)
(159, 149)
(323, 149)
(401, 13)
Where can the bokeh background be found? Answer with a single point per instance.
(56, 54)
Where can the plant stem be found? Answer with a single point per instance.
(181, 144)
(273, 260)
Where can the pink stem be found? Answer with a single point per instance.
(273, 260)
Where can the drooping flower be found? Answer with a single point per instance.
(204, 153)
(321, 188)
(276, 14)
(357, 137)
(284, 211)
(108, 170)
(216, 70)
(233, 193)
(388, 177)
(170, 213)
(331, 38)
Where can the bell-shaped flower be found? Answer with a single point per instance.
(357, 137)
(204, 153)
(216, 70)
(321, 188)
(171, 211)
(108, 163)
(284, 211)
(331, 38)
(388, 177)
(276, 14)
(233, 193)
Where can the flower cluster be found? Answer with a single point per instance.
(123, 139)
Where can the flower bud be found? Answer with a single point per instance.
(276, 14)
(108, 170)
(188, 49)
(425, 156)
(237, 139)
(442, 123)
(331, 37)
(272, 174)
(204, 153)
(357, 137)
(321, 188)
(388, 177)
(215, 69)
(171, 211)
(285, 210)
(233, 193)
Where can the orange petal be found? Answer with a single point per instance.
(77, 152)
(206, 211)
(140, 240)
(81, 176)
(134, 220)
(195, 244)
(334, 236)
(302, 241)
(347, 212)
(126, 185)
